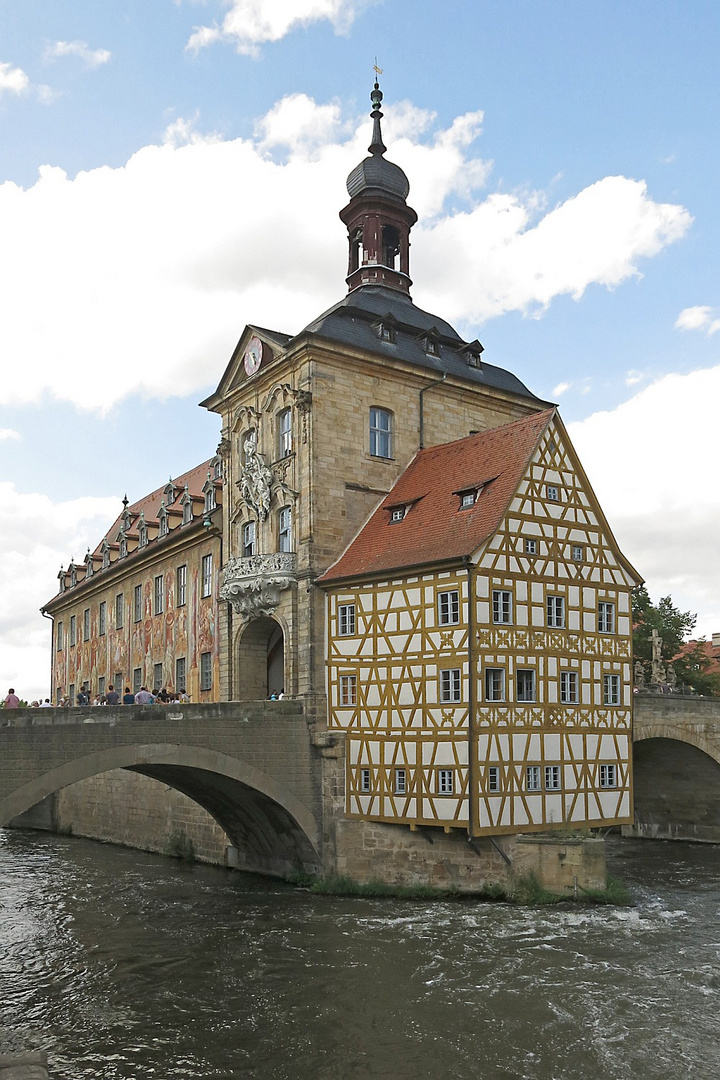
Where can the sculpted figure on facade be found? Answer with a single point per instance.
(256, 479)
(253, 585)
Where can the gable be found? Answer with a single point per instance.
(240, 367)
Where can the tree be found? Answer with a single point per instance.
(673, 625)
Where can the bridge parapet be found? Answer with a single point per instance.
(216, 712)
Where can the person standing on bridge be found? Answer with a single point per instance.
(12, 701)
(112, 697)
(144, 697)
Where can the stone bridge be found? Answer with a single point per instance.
(676, 756)
(251, 765)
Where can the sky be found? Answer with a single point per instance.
(171, 171)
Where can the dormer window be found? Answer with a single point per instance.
(187, 512)
(467, 499)
(217, 468)
(397, 513)
(142, 531)
(61, 579)
(386, 328)
(431, 345)
(105, 554)
(209, 493)
(73, 575)
(162, 521)
(472, 352)
(88, 565)
(170, 493)
(122, 544)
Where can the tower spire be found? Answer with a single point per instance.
(377, 146)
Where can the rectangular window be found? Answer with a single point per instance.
(552, 493)
(348, 690)
(608, 776)
(207, 575)
(552, 777)
(181, 586)
(502, 606)
(158, 595)
(606, 617)
(532, 778)
(137, 603)
(59, 636)
(86, 624)
(118, 682)
(364, 780)
(206, 671)
(494, 778)
(450, 685)
(101, 686)
(398, 513)
(578, 553)
(449, 607)
(445, 782)
(400, 786)
(284, 429)
(248, 539)
(556, 611)
(381, 433)
(180, 680)
(568, 688)
(137, 679)
(346, 620)
(611, 689)
(525, 679)
(71, 693)
(119, 610)
(102, 618)
(494, 684)
(285, 529)
(157, 677)
(531, 547)
(73, 629)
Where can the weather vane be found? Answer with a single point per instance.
(376, 69)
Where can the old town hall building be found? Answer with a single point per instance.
(401, 534)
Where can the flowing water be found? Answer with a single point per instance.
(123, 964)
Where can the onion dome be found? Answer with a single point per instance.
(375, 172)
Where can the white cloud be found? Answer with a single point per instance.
(13, 80)
(560, 389)
(8, 433)
(35, 538)
(650, 462)
(251, 23)
(698, 318)
(153, 268)
(92, 57)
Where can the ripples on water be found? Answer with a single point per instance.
(125, 965)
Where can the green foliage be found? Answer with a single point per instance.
(673, 625)
(180, 846)
(614, 893)
(696, 668)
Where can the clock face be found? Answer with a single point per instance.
(253, 356)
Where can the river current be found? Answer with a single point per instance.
(122, 964)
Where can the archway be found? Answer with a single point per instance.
(261, 660)
(677, 791)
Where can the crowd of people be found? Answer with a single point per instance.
(111, 697)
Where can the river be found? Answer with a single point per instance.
(122, 964)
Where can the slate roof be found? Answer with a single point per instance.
(354, 321)
(434, 529)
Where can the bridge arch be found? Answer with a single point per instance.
(272, 828)
(676, 784)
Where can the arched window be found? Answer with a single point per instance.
(285, 529)
(381, 432)
(390, 246)
(142, 531)
(248, 539)
(162, 521)
(284, 433)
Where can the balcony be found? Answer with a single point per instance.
(253, 584)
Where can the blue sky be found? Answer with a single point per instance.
(170, 171)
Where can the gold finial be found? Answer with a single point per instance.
(376, 69)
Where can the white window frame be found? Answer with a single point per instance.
(552, 493)
(608, 776)
(137, 604)
(181, 586)
(494, 684)
(364, 781)
(502, 607)
(400, 781)
(445, 782)
(533, 778)
(207, 575)
(533, 685)
(612, 690)
(158, 594)
(397, 514)
(102, 618)
(555, 611)
(569, 688)
(530, 546)
(493, 779)
(450, 685)
(346, 620)
(553, 779)
(249, 539)
(285, 528)
(381, 432)
(284, 433)
(606, 617)
(449, 607)
(206, 671)
(347, 691)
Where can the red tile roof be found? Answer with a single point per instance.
(435, 529)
